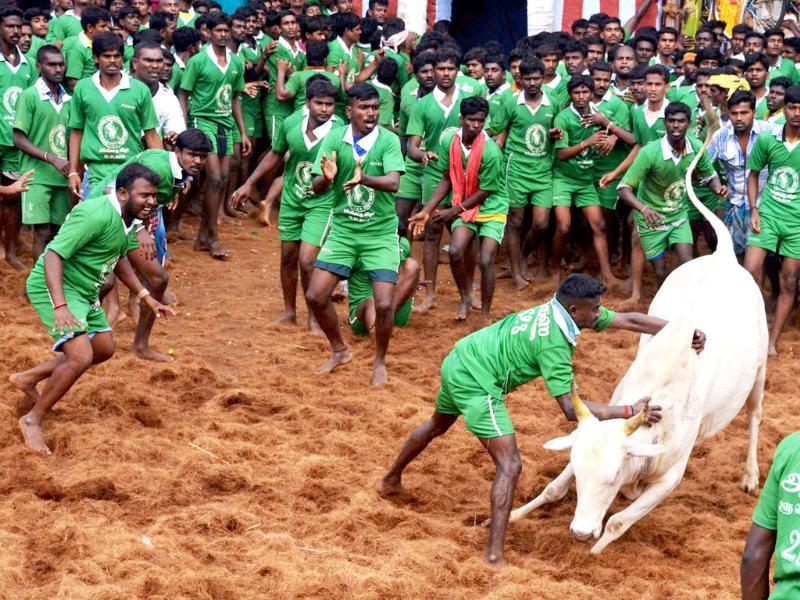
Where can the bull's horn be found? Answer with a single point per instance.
(581, 412)
(635, 421)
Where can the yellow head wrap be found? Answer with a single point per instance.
(731, 83)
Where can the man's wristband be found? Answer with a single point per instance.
(752, 208)
(143, 293)
(57, 306)
(73, 173)
(628, 411)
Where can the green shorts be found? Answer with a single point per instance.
(410, 186)
(607, 196)
(9, 160)
(99, 171)
(89, 313)
(655, 242)
(253, 124)
(522, 191)
(308, 225)
(485, 414)
(430, 179)
(45, 204)
(490, 229)
(401, 317)
(378, 255)
(221, 137)
(567, 190)
(777, 235)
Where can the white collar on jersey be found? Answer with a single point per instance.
(545, 101)
(650, 116)
(366, 142)
(564, 321)
(213, 56)
(112, 198)
(282, 41)
(343, 44)
(124, 84)
(502, 88)
(179, 61)
(319, 132)
(22, 59)
(378, 84)
(668, 153)
(46, 95)
(439, 95)
(177, 170)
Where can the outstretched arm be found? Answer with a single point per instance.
(604, 412)
(632, 23)
(641, 323)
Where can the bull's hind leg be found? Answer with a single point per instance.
(651, 497)
(555, 490)
(755, 409)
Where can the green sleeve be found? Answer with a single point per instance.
(386, 112)
(174, 82)
(766, 512)
(622, 115)
(416, 122)
(638, 170)
(77, 118)
(147, 112)
(133, 242)
(605, 319)
(55, 33)
(498, 116)
(238, 83)
(402, 73)
(444, 153)
(24, 116)
(279, 144)
(555, 365)
(562, 123)
(758, 155)
(638, 134)
(189, 77)
(79, 229)
(489, 178)
(328, 145)
(72, 56)
(293, 84)
(403, 117)
(392, 155)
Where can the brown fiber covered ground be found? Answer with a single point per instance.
(285, 506)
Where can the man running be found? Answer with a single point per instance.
(362, 163)
(490, 363)
(64, 289)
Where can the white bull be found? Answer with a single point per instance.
(699, 395)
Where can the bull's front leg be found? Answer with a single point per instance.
(555, 490)
(754, 411)
(655, 492)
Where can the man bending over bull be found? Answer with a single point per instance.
(486, 365)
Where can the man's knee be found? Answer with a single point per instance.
(457, 252)
(383, 305)
(510, 466)
(789, 280)
(486, 261)
(515, 219)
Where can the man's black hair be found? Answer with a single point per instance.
(195, 140)
(577, 287)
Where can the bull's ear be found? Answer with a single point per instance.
(561, 443)
(645, 450)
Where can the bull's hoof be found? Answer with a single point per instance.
(749, 484)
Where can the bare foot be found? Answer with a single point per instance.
(313, 327)
(121, 316)
(632, 303)
(341, 357)
(428, 303)
(475, 302)
(627, 285)
(495, 561)
(521, 283)
(504, 273)
(12, 260)
(380, 376)
(526, 272)
(218, 251)
(27, 386)
(147, 353)
(263, 214)
(772, 350)
(612, 283)
(34, 437)
(389, 487)
(463, 310)
(287, 318)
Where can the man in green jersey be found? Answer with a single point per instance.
(756, 70)
(409, 195)
(291, 86)
(554, 83)
(305, 217)
(500, 92)
(210, 91)
(109, 111)
(486, 365)
(342, 51)
(480, 158)
(775, 529)
(40, 132)
(286, 48)
(16, 74)
(68, 24)
(64, 289)
(431, 119)
(78, 49)
(362, 163)
(661, 203)
(774, 215)
(39, 19)
(186, 43)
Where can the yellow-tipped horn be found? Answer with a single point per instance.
(581, 412)
(635, 421)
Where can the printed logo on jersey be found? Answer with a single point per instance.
(302, 175)
(58, 141)
(784, 183)
(446, 131)
(111, 132)
(535, 140)
(224, 97)
(10, 99)
(359, 200)
(674, 196)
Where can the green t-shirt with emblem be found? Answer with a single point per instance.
(338, 52)
(538, 342)
(297, 82)
(78, 54)
(90, 243)
(45, 124)
(778, 510)
(644, 132)
(660, 178)
(359, 285)
(161, 163)
(65, 26)
(291, 137)
(499, 107)
(211, 88)
(490, 174)
(13, 80)
(273, 106)
(579, 168)
(529, 149)
(620, 115)
(111, 125)
(781, 196)
(362, 211)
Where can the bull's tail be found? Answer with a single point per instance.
(724, 242)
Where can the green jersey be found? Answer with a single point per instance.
(65, 26)
(470, 87)
(620, 115)
(187, 18)
(338, 52)
(402, 71)
(529, 149)
(36, 43)
(212, 87)
(538, 342)
(558, 89)
(499, 106)
(579, 168)
(362, 211)
(409, 97)
(778, 510)
(659, 175)
(291, 137)
(762, 110)
(781, 195)
(13, 80)
(250, 106)
(297, 58)
(177, 74)
(359, 285)
(783, 68)
(490, 175)
(648, 126)
(43, 118)
(78, 54)
(386, 115)
(161, 162)
(112, 121)
(296, 86)
(91, 241)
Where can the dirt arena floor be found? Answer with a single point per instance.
(234, 472)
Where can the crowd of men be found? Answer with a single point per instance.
(569, 152)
